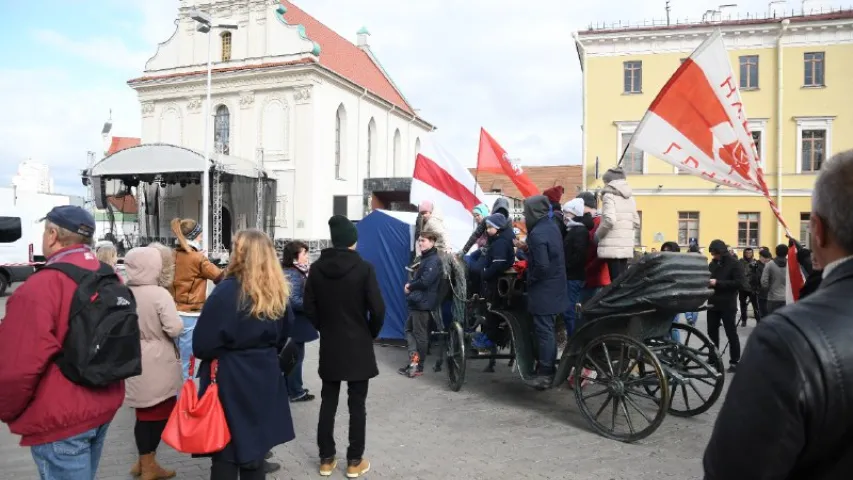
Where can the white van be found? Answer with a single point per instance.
(18, 235)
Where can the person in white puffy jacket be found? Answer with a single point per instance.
(619, 219)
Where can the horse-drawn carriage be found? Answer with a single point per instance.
(640, 371)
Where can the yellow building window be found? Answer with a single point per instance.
(805, 230)
(748, 71)
(226, 46)
(688, 227)
(633, 77)
(632, 162)
(815, 67)
(638, 233)
(814, 149)
(756, 138)
(747, 229)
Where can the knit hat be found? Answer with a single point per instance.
(611, 174)
(425, 206)
(573, 208)
(718, 247)
(588, 199)
(342, 231)
(481, 210)
(496, 220)
(554, 194)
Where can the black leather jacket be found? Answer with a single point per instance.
(789, 411)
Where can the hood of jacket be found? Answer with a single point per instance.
(501, 203)
(781, 262)
(588, 221)
(618, 187)
(535, 208)
(143, 266)
(337, 262)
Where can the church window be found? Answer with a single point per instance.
(222, 130)
(226, 46)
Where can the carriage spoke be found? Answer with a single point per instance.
(627, 418)
(596, 365)
(592, 395)
(603, 406)
(695, 390)
(607, 356)
(613, 416)
(636, 407)
(639, 394)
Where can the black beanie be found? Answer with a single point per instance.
(342, 231)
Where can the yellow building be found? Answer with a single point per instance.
(795, 77)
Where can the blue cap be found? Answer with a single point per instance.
(72, 218)
(496, 220)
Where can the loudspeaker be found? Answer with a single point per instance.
(99, 188)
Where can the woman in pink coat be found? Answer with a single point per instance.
(153, 394)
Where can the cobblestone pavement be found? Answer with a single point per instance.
(496, 427)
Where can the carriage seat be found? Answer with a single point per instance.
(664, 281)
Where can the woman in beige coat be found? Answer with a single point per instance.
(619, 220)
(153, 393)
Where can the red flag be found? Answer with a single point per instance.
(794, 276)
(493, 158)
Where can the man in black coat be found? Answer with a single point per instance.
(752, 269)
(727, 279)
(787, 414)
(343, 301)
(546, 278)
(422, 298)
(575, 247)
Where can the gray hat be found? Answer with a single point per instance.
(611, 174)
(588, 199)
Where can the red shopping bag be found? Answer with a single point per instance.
(197, 425)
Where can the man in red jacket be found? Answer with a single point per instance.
(64, 423)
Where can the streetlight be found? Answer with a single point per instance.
(205, 25)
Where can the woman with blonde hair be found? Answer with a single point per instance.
(189, 289)
(107, 253)
(244, 325)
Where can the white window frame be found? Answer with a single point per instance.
(628, 127)
(760, 125)
(813, 123)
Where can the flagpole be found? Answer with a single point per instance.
(619, 163)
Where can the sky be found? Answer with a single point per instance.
(508, 66)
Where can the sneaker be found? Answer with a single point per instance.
(270, 467)
(305, 397)
(357, 468)
(587, 374)
(327, 466)
(732, 368)
(404, 371)
(416, 372)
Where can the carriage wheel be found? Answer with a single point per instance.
(694, 368)
(455, 356)
(618, 384)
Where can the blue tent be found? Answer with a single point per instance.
(385, 239)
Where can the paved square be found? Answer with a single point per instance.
(495, 428)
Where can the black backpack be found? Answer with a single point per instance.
(103, 344)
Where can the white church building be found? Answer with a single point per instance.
(323, 110)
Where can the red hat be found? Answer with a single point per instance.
(554, 194)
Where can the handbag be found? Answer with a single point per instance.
(198, 425)
(288, 357)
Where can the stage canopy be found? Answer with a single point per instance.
(160, 158)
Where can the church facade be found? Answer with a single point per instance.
(320, 111)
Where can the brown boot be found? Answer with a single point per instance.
(136, 470)
(151, 470)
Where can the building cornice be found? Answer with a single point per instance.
(737, 37)
(714, 192)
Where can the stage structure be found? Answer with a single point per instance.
(166, 180)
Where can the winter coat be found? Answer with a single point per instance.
(435, 224)
(501, 205)
(752, 270)
(619, 219)
(575, 248)
(192, 271)
(423, 289)
(36, 400)
(252, 389)
(159, 324)
(596, 273)
(499, 256)
(343, 301)
(774, 279)
(301, 330)
(730, 281)
(546, 264)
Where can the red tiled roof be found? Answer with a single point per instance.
(342, 57)
(120, 143)
(844, 14)
(544, 177)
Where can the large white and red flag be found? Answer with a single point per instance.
(442, 180)
(698, 123)
(491, 157)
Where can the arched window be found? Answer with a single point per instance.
(371, 146)
(340, 141)
(226, 46)
(222, 130)
(417, 146)
(398, 147)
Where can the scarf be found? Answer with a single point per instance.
(302, 267)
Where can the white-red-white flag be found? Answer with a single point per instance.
(698, 123)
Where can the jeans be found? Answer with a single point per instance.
(356, 397)
(185, 343)
(750, 297)
(544, 325)
(75, 458)
(727, 318)
(675, 334)
(417, 334)
(692, 318)
(223, 470)
(585, 295)
(295, 389)
(570, 316)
